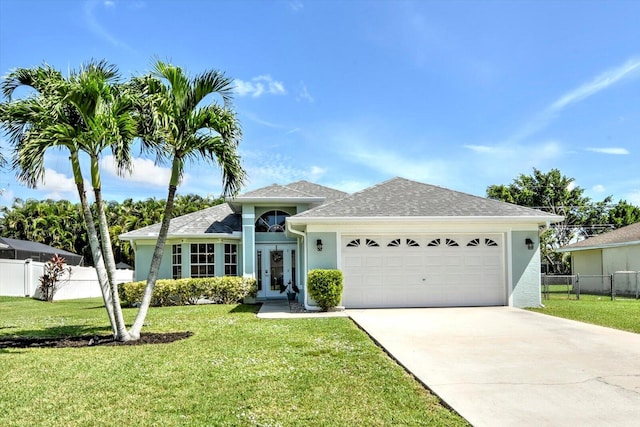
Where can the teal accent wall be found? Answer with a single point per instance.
(525, 270)
(248, 241)
(273, 238)
(144, 253)
(328, 258)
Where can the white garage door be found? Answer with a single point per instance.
(423, 271)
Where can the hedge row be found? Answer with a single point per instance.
(218, 290)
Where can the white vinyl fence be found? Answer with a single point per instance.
(20, 278)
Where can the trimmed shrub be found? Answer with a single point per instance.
(219, 290)
(325, 287)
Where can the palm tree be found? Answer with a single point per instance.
(178, 127)
(71, 113)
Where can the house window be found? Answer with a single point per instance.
(434, 242)
(293, 269)
(230, 259)
(490, 242)
(451, 242)
(394, 243)
(202, 260)
(271, 222)
(354, 243)
(412, 243)
(259, 268)
(176, 261)
(372, 243)
(474, 242)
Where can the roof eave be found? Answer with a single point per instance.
(602, 246)
(272, 200)
(154, 236)
(541, 220)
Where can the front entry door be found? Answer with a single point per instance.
(276, 266)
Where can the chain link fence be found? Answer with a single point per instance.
(620, 283)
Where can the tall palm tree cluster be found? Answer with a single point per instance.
(93, 110)
(59, 223)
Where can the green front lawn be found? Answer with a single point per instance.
(600, 310)
(236, 370)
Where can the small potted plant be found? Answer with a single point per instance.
(292, 291)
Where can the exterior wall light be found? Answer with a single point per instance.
(319, 245)
(529, 243)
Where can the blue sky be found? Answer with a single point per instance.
(461, 94)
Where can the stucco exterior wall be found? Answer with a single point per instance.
(144, 253)
(587, 262)
(626, 258)
(328, 257)
(525, 270)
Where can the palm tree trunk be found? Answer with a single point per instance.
(94, 242)
(156, 260)
(121, 329)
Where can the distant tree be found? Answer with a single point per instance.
(555, 193)
(622, 214)
(59, 223)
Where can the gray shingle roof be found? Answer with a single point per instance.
(401, 197)
(28, 246)
(216, 219)
(628, 234)
(330, 194)
(272, 191)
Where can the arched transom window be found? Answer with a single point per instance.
(272, 221)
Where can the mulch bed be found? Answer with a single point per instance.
(89, 340)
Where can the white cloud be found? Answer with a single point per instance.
(304, 95)
(610, 150)
(98, 29)
(145, 171)
(600, 82)
(634, 198)
(258, 86)
(350, 186)
(296, 6)
(57, 186)
(392, 163)
(599, 188)
(483, 148)
(267, 168)
(629, 69)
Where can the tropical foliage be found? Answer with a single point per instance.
(55, 271)
(556, 193)
(59, 223)
(91, 111)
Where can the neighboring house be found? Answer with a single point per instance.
(24, 249)
(604, 255)
(400, 243)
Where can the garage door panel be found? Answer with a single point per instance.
(409, 273)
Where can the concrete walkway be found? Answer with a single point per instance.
(500, 366)
(280, 309)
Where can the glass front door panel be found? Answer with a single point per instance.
(277, 271)
(275, 265)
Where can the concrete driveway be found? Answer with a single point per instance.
(501, 366)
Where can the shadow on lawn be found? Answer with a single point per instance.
(81, 336)
(246, 308)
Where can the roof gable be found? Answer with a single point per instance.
(629, 234)
(400, 197)
(273, 191)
